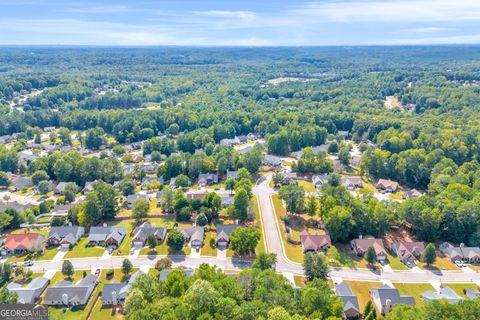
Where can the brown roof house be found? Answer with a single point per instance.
(408, 251)
(314, 242)
(24, 242)
(387, 185)
(414, 193)
(361, 245)
(352, 182)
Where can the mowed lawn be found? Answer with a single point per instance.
(362, 290)
(441, 263)
(80, 250)
(308, 186)
(413, 289)
(261, 244)
(207, 249)
(293, 252)
(460, 287)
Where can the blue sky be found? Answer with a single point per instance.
(239, 23)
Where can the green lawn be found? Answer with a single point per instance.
(299, 281)
(293, 252)
(48, 254)
(43, 219)
(362, 290)
(81, 251)
(441, 263)
(126, 244)
(413, 289)
(396, 264)
(76, 277)
(208, 250)
(261, 244)
(308, 186)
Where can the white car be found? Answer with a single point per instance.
(459, 263)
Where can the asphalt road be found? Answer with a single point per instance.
(274, 244)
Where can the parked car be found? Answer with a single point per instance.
(459, 263)
(97, 273)
(132, 251)
(28, 263)
(409, 264)
(14, 265)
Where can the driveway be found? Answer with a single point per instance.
(60, 254)
(222, 254)
(194, 253)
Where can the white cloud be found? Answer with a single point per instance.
(426, 30)
(460, 39)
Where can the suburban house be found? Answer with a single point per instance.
(352, 182)
(289, 178)
(226, 200)
(351, 308)
(111, 236)
(115, 293)
(65, 236)
(230, 142)
(319, 180)
(24, 242)
(19, 182)
(65, 293)
(149, 168)
(296, 154)
(142, 232)
(414, 193)
(163, 275)
(314, 242)
(361, 245)
(408, 251)
(207, 179)
(147, 180)
(223, 234)
(193, 235)
(132, 197)
(60, 188)
(30, 293)
(19, 207)
(386, 297)
(196, 194)
(355, 160)
(468, 254)
(89, 186)
(387, 185)
(244, 149)
(444, 293)
(272, 161)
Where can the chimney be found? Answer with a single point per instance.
(462, 245)
(360, 237)
(104, 224)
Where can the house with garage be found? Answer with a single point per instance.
(22, 243)
(445, 293)
(131, 198)
(462, 253)
(207, 179)
(31, 292)
(232, 174)
(143, 231)
(314, 242)
(355, 161)
(361, 245)
(272, 161)
(387, 185)
(19, 182)
(386, 297)
(319, 180)
(351, 308)
(19, 207)
(65, 293)
(193, 235)
(223, 234)
(196, 194)
(352, 183)
(65, 237)
(408, 251)
(111, 236)
(115, 293)
(226, 200)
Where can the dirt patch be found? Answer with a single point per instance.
(391, 102)
(396, 235)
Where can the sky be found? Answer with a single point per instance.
(239, 22)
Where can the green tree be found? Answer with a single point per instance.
(241, 203)
(152, 241)
(230, 184)
(140, 209)
(312, 206)
(294, 197)
(167, 199)
(90, 211)
(39, 176)
(370, 311)
(202, 298)
(163, 263)
(244, 240)
(67, 268)
(127, 186)
(429, 255)
(126, 267)
(175, 240)
(371, 255)
(8, 297)
(315, 266)
(264, 261)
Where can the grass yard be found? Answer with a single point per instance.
(396, 264)
(293, 252)
(362, 290)
(127, 241)
(261, 244)
(413, 289)
(459, 287)
(24, 281)
(308, 186)
(475, 267)
(208, 250)
(44, 219)
(78, 275)
(441, 263)
(299, 281)
(81, 251)
(47, 255)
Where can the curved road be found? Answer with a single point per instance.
(274, 244)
